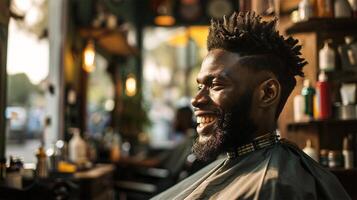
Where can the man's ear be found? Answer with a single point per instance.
(269, 92)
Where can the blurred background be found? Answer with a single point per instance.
(88, 82)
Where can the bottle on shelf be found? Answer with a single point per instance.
(327, 57)
(323, 97)
(77, 148)
(353, 4)
(342, 9)
(310, 151)
(299, 109)
(347, 152)
(335, 159)
(347, 109)
(305, 10)
(41, 167)
(351, 50)
(308, 93)
(324, 157)
(325, 8)
(115, 148)
(348, 53)
(55, 155)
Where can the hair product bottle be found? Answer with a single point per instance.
(310, 151)
(323, 97)
(347, 152)
(348, 53)
(325, 8)
(305, 10)
(308, 92)
(327, 57)
(77, 148)
(299, 108)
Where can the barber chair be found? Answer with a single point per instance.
(143, 183)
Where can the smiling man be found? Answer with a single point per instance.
(244, 82)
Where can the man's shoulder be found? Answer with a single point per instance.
(292, 171)
(289, 155)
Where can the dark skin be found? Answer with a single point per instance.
(221, 81)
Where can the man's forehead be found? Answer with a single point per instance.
(220, 57)
(218, 63)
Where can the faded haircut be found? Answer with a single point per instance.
(260, 46)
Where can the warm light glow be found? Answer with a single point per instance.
(130, 85)
(197, 33)
(89, 55)
(164, 20)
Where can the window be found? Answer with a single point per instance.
(27, 68)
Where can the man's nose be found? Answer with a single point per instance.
(201, 98)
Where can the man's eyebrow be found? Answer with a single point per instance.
(209, 78)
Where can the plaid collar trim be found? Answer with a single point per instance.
(257, 143)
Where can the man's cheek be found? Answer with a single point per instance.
(225, 102)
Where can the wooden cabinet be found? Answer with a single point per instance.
(324, 134)
(311, 34)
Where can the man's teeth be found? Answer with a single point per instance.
(204, 120)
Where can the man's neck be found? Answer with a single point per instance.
(264, 129)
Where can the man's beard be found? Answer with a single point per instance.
(232, 129)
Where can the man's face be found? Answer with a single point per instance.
(222, 104)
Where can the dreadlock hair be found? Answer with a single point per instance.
(260, 46)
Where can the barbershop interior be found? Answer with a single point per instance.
(95, 95)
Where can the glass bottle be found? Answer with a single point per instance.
(41, 167)
(347, 152)
(305, 10)
(77, 148)
(308, 92)
(325, 8)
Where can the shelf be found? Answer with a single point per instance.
(343, 76)
(323, 123)
(112, 41)
(343, 25)
(344, 171)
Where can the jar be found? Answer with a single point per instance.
(334, 159)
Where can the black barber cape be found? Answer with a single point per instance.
(281, 171)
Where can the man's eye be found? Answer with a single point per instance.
(216, 86)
